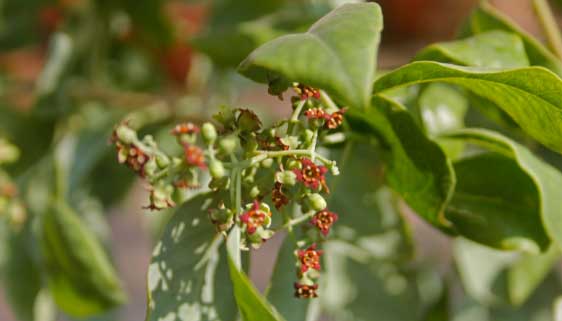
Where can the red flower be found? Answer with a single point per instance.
(312, 175)
(136, 159)
(304, 291)
(335, 119)
(306, 92)
(254, 217)
(185, 128)
(316, 113)
(278, 197)
(194, 156)
(309, 258)
(324, 220)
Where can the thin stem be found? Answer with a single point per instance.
(296, 221)
(295, 117)
(331, 107)
(549, 26)
(312, 148)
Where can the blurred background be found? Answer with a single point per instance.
(172, 60)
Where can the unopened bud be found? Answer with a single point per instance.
(267, 163)
(150, 167)
(209, 133)
(162, 161)
(317, 202)
(286, 178)
(216, 169)
(228, 144)
(126, 134)
(254, 192)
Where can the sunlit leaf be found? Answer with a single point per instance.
(188, 275)
(80, 276)
(529, 95)
(337, 54)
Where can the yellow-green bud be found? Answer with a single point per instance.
(126, 134)
(228, 144)
(286, 178)
(254, 192)
(209, 133)
(316, 202)
(162, 161)
(216, 169)
(267, 163)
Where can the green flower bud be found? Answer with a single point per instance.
(216, 169)
(228, 144)
(248, 121)
(307, 136)
(209, 133)
(187, 139)
(162, 161)
(316, 202)
(293, 164)
(286, 178)
(254, 192)
(125, 134)
(150, 167)
(267, 163)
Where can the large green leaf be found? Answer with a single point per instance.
(416, 167)
(280, 292)
(188, 275)
(494, 49)
(496, 203)
(80, 275)
(486, 18)
(253, 306)
(443, 108)
(529, 95)
(337, 54)
(20, 275)
(496, 277)
(544, 196)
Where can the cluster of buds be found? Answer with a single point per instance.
(11, 206)
(165, 174)
(264, 179)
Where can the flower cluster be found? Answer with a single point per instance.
(11, 206)
(264, 179)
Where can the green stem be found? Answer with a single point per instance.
(328, 103)
(303, 218)
(312, 148)
(295, 117)
(549, 26)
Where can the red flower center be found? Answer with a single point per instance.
(304, 291)
(324, 220)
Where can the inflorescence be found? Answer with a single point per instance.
(253, 170)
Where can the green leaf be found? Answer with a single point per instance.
(496, 277)
(443, 109)
(494, 49)
(542, 194)
(337, 54)
(529, 95)
(497, 204)
(252, 305)
(80, 275)
(486, 18)
(357, 287)
(21, 275)
(416, 167)
(281, 291)
(188, 275)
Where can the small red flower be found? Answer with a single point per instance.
(136, 159)
(194, 156)
(312, 175)
(324, 220)
(185, 128)
(304, 291)
(335, 119)
(306, 92)
(254, 217)
(316, 113)
(309, 258)
(278, 197)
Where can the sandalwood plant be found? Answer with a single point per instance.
(336, 182)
